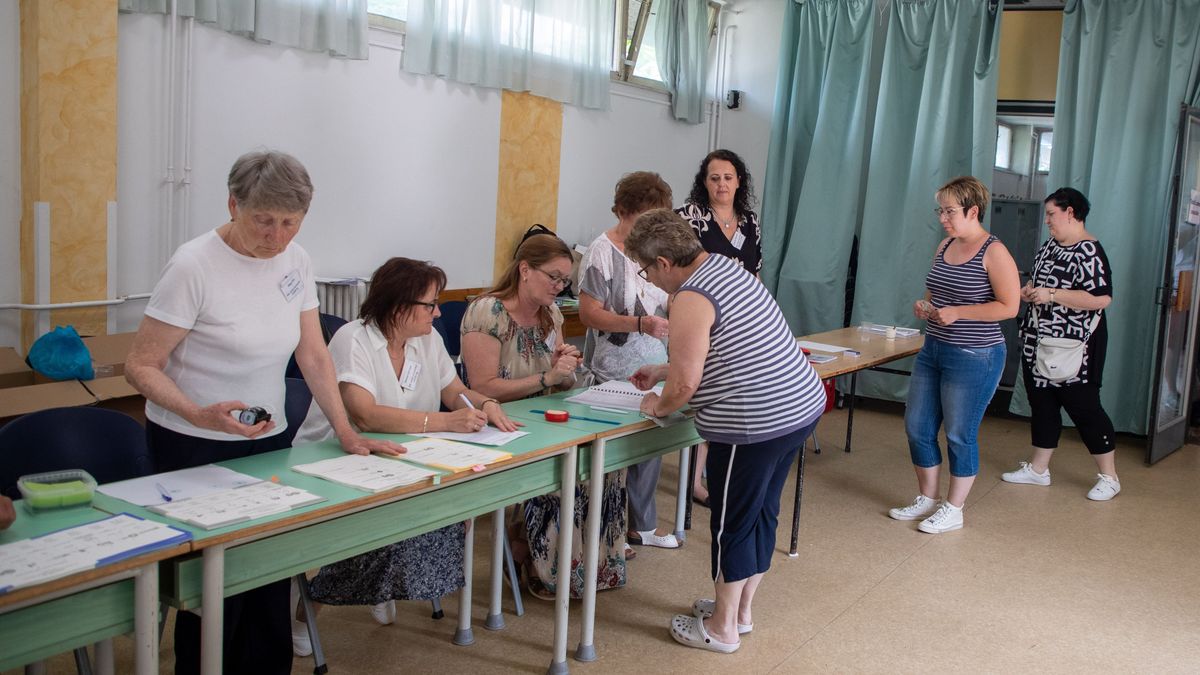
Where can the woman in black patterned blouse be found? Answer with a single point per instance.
(718, 209)
(1070, 287)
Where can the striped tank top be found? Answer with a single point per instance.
(959, 285)
(756, 385)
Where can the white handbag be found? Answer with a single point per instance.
(1058, 359)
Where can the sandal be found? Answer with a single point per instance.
(689, 632)
(703, 609)
(650, 538)
(630, 553)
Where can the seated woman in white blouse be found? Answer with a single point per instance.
(394, 374)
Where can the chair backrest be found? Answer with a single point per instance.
(296, 406)
(452, 316)
(109, 445)
(330, 323)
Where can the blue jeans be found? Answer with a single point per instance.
(953, 385)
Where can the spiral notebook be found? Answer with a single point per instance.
(615, 394)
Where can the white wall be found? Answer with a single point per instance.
(402, 165)
(10, 171)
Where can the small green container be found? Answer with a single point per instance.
(57, 489)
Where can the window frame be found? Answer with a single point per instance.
(1037, 155)
(625, 62)
(996, 156)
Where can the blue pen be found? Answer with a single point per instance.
(579, 417)
(163, 492)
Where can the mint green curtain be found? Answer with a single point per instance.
(935, 120)
(559, 49)
(1124, 70)
(338, 27)
(813, 185)
(681, 40)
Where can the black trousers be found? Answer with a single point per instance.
(258, 629)
(1082, 403)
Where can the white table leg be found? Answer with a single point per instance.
(464, 636)
(586, 651)
(102, 652)
(685, 493)
(562, 598)
(495, 619)
(145, 620)
(212, 605)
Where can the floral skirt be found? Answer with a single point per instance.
(542, 532)
(423, 567)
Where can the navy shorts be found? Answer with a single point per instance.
(744, 486)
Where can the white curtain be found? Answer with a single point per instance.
(338, 27)
(560, 49)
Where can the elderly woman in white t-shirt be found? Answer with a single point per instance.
(230, 309)
(394, 373)
(626, 317)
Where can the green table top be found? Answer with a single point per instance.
(29, 525)
(522, 410)
(542, 436)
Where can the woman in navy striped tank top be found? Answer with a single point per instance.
(971, 286)
(733, 358)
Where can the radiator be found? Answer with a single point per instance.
(341, 297)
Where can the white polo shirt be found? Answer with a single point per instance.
(242, 315)
(360, 357)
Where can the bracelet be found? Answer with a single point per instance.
(1052, 296)
(425, 424)
(542, 380)
(639, 324)
(487, 401)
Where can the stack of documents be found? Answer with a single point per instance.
(882, 329)
(444, 454)
(218, 509)
(617, 394)
(177, 485)
(488, 435)
(371, 473)
(85, 547)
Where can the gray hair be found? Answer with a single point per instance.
(270, 180)
(662, 232)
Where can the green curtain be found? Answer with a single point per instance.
(813, 185)
(681, 39)
(1124, 70)
(338, 27)
(935, 120)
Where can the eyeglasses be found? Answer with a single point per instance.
(557, 281)
(642, 272)
(949, 211)
(431, 306)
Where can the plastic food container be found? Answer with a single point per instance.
(57, 489)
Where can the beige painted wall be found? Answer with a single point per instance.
(1029, 43)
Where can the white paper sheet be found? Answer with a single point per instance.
(449, 455)
(371, 473)
(227, 507)
(881, 329)
(617, 394)
(182, 484)
(820, 347)
(65, 552)
(489, 435)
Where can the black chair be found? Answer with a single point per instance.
(109, 445)
(452, 316)
(295, 407)
(330, 324)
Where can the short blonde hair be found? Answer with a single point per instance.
(968, 191)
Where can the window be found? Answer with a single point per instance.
(1045, 146)
(389, 14)
(634, 58)
(1004, 138)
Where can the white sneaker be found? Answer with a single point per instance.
(947, 517)
(384, 613)
(919, 509)
(1105, 489)
(301, 645)
(1026, 476)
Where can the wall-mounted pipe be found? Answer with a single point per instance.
(51, 306)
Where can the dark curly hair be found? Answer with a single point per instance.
(743, 199)
(1065, 196)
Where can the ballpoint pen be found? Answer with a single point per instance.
(162, 491)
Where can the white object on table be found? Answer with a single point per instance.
(371, 473)
(488, 435)
(820, 347)
(449, 455)
(218, 509)
(182, 484)
(617, 394)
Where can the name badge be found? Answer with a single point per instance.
(291, 285)
(738, 240)
(551, 340)
(409, 375)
